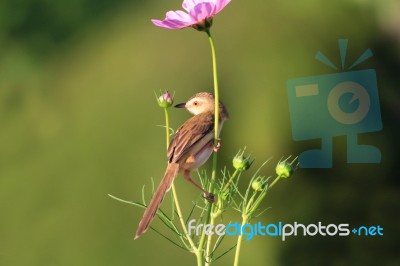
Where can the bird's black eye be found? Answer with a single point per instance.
(195, 103)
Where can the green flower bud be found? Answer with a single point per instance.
(285, 169)
(258, 184)
(225, 195)
(240, 162)
(165, 100)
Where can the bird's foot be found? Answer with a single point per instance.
(211, 198)
(218, 146)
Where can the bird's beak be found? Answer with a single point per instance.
(180, 105)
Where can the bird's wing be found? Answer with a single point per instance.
(191, 132)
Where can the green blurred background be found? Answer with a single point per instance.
(79, 121)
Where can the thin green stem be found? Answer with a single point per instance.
(274, 182)
(179, 211)
(216, 115)
(174, 193)
(249, 204)
(208, 246)
(209, 237)
(200, 249)
(219, 208)
(214, 165)
(248, 214)
(216, 91)
(230, 180)
(239, 243)
(166, 126)
(256, 203)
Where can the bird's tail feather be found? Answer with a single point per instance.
(152, 207)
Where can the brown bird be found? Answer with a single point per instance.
(190, 148)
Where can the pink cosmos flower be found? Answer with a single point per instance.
(199, 14)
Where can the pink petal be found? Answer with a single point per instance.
(174, 20)
(198, 11)
(190, 4)
(202, 11)
(171, 24)
(220, 4)
(178, 15)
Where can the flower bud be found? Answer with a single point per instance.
(258, 184)
(285, 169)
(240, 162)
(165, 100)
(225, 195)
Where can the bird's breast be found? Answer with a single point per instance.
(196, 160)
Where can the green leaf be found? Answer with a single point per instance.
(170, 240)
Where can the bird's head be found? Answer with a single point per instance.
(203, 102)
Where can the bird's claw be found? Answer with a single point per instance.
(211, 198)
(218, 146)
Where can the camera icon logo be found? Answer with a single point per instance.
(358, 92)
(345, 103)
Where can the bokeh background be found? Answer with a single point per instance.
(78, 121)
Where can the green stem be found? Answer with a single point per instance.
(251, 208)
(257, 203)
(216, 114)
(216, 92)
(249, 204)
(214, 161)
(199, 256)
(179, 211)
(208, 246)
(175, 195)
(166, 126)
(274, 182)
(230, 180)
(239, 243)
(219, 208)
(200, 249)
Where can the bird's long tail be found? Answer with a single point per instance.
(163, 187)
